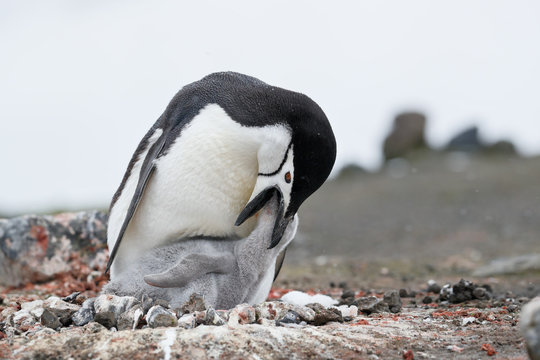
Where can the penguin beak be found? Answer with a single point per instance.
(258, 203)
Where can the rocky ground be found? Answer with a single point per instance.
(441, 216)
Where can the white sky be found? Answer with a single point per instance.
(82, 81)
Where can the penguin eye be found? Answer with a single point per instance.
(288, 177)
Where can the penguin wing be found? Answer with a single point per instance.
(147, 169)
(279, 263)
(190, 268)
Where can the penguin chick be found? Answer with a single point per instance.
(226, 272)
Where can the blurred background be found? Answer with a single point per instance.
(435, 106)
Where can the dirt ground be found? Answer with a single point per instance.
(439, 217)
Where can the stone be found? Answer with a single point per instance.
(61, 309)
(274, 310)
(291, 317)
(347, 294)
(433, 287)
(108, 308)
(158, 316)
(195, 303)
(94, 327)
(34, 248)
(348, 311)
(187, 321)
(212, 318)
(33, 307)
(467, 140)
(406, 135)
(427, 300)
(71, 298)
(129, 320)
(85, 314)
(371, 304)
(146, 302)
(242, 314)
(530, 327)
(324, 315)
(392, 299)
(22, 320)
(49, 319)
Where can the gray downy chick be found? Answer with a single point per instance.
(226, 272)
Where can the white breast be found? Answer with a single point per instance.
(199, 187)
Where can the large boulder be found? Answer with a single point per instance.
(406, 135)
(35, 248)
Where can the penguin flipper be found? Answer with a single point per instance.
(147, 169)
(279, 263)
(190, 268)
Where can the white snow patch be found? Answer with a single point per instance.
(165, 344)
(302, 299)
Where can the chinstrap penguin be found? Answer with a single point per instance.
(224, 147)
(226, 272)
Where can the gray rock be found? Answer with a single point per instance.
(392, 299)
(323, 315)
(468, 140)
(35, 248)
(291, 317)
(407, 135)
(49, 319)
(187, 321)
(530, 327)
(433, 287)
(71, 297)
(195, 303)
(129, 319)
(61, 309)
(212, 318)
(147, 302)
(108, 308)
(158, 316)
(85, 314)
(273, 310)
(371, 304)
(94, 327)
(242, 314)
(22, 320)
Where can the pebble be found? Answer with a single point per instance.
(371, 304)
(187, 321)
(49, 319)
(348, 311)
(108, 308)
(71, 298)
(212, 318)
(433, 287)
(158, 316)
(291, 317)
(242, 314)
(85, 314)
(391, 297)
(195, 303)
(427, 300)
(22, 319)
(273, 310)
(129, 320)
(324, 315)
(33, 307)
(63, 310)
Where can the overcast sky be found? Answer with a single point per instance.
(82, 81)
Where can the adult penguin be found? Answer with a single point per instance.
(223, 147)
